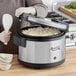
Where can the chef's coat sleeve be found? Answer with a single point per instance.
(41, 9)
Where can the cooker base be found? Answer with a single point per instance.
(38, 66)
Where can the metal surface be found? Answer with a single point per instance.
(60, 17)
(42, 21)
(72, 26)
(43, 52)
(46, 21)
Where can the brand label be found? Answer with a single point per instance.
(55, 48)
(55, 54)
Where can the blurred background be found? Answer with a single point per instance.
(50, 3)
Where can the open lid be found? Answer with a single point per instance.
(43, 21)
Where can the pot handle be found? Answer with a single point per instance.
(19, 41)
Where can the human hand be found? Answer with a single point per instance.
(28, 10)
(5, 37)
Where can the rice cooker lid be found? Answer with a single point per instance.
(40, 38)
(42, 21)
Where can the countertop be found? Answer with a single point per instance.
(68, 68)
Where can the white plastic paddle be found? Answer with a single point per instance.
(7, 21)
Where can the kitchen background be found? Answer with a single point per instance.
(71, 35)
(50, 3)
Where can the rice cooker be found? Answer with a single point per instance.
(40, 51)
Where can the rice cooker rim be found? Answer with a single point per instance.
(40, 38)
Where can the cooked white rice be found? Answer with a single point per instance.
(40, 31)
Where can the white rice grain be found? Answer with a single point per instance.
(40, 31)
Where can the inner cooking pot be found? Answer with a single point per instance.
(40, 38)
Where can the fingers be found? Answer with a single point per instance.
(6, 39)
(19, 11)
(27, 10)
(7, 33)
